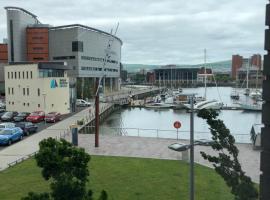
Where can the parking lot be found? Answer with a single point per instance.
(43, 125)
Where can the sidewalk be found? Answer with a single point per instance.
(158, 148)
(29, 145)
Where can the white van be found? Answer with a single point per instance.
(82, 103)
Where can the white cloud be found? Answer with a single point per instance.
(162, 31)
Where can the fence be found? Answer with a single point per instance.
(159, 133)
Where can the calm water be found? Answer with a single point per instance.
(159, 123)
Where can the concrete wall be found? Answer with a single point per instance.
(94, 46)
(60, 44)
(20, 20)
(50, 99)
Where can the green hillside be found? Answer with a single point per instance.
(216, 66)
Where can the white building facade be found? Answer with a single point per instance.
(37, 87)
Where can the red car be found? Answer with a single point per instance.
(53, 117)
(36, 116)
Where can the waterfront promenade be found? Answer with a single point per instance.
(29, 145)
(157, 148)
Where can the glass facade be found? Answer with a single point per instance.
(44, 73)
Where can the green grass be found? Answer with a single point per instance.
(124, 178)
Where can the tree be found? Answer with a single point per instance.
(226, 163)
(66, 167)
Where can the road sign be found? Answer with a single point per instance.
(177, 124)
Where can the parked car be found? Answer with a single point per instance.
(82, 103)
(36, 116)
(8, 116)
(10, 135)
(27, 127)
(53, 117)
(2, 112)
(2, 105)
(21, 116)
(7, 125)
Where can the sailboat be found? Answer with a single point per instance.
(257, 94)
(234, 94)
(247, 90)
(207, 104)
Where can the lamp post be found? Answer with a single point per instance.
(184, 147)
(44, 102)
(191, 187)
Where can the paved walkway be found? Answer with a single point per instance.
(29, 145)
(158, 148)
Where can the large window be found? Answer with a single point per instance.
(77, 46)
(44, 73)
(38, 92)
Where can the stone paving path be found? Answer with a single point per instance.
(158, 148)
(29, 145)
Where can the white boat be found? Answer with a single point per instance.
(208, 104)
(255, 94)
(257, 106)
(158, 105)
(235, 95)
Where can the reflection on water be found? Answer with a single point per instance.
(159, 123)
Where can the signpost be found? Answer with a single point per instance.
(177, 125)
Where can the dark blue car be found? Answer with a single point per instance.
(10, 135)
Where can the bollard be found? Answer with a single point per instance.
(185, 155)
(74, 136)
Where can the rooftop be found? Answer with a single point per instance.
(84, 27)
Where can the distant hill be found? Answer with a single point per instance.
(216, 66)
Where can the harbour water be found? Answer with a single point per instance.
(159, 123)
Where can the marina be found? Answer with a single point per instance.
(157, 122)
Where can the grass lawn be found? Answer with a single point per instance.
(124, 178)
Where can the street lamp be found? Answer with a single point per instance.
(184, 147)
(44, 101)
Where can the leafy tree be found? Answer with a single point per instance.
(226, 163)
(66, 167)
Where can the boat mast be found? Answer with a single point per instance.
(257, 73)
(247, 73)
(205, 74)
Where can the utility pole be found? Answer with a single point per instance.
(191, 176)
(97, 114)
(97, 85)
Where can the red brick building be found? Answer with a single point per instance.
(256, 61)
(3, 53)
(37, 43)
(237, 62)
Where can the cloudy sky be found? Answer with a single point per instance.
(162, 31)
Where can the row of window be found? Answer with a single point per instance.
(97, 69)
(27, 104)
(19, 75)
(91, 68)
(26, 91)
(98, 59)
(64, 57)
(45, 73)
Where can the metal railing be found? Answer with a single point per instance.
(162, 133)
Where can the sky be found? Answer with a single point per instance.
(162, 31)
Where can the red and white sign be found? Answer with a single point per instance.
(177, 124)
